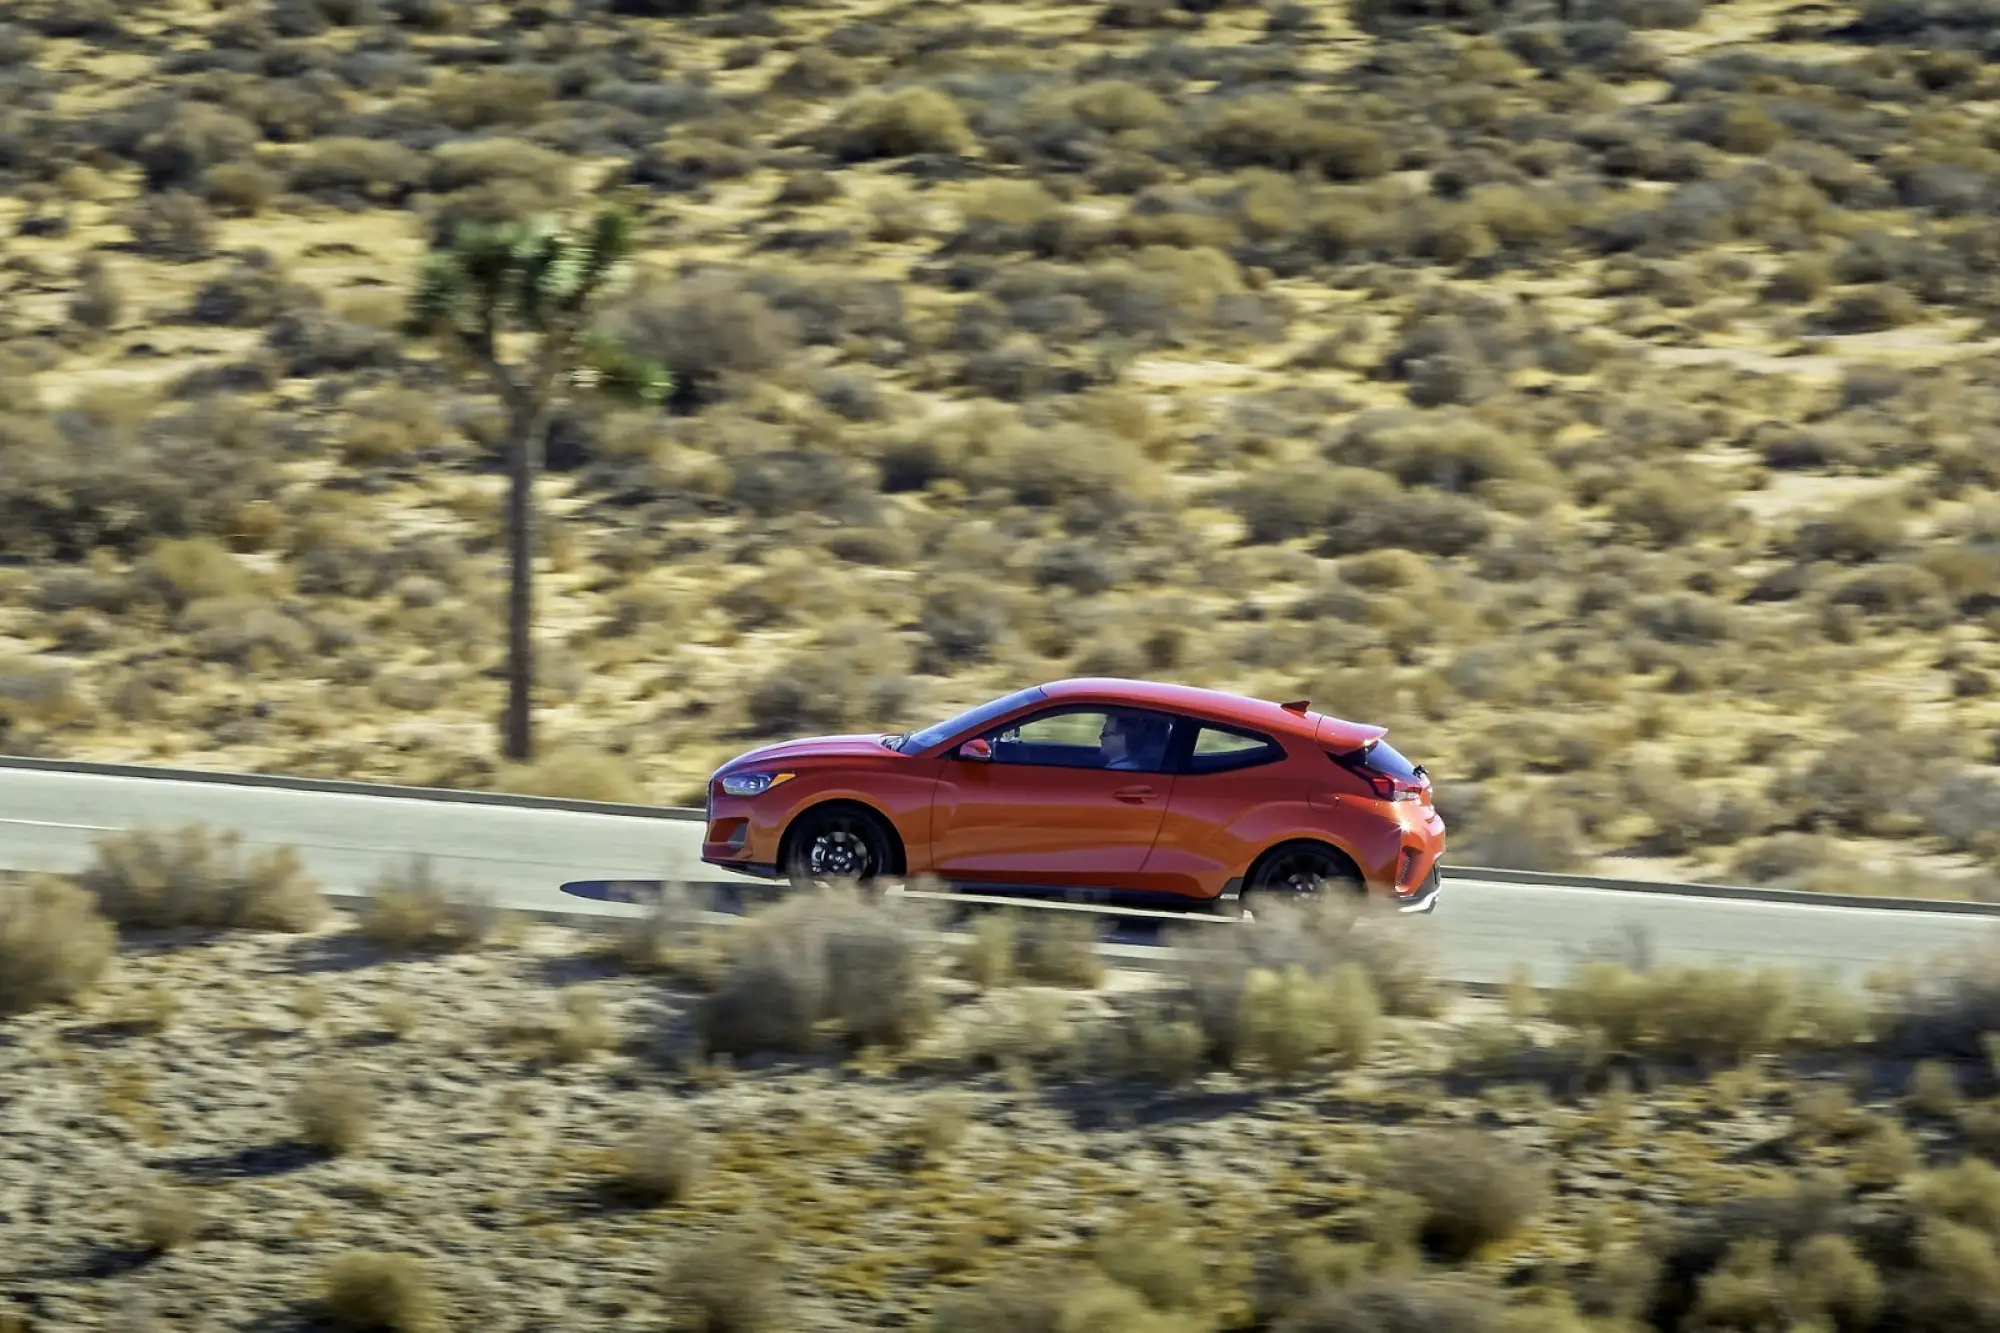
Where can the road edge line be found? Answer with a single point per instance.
(339, 787)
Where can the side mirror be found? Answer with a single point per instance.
(977, 750)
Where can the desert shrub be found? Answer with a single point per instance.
(193, 138)
(1690, 1012)
(824, 957)
(484, 99)
(1864, 531)
(308, 340)
(672, 939)
(414, 908)
(1284, 503)
(731, 1282)
(147, 879)
(250, 295)
(332, 1109)
(493, 181)
(239, 189)
(710, 328)
(54, 945)
(816, 72)
(960, 623)
(176, 227)
(578, 772)
(771, 483)
(851, 676)
(358, 173)
(1288, 1019)
(1056, 949)
(685, 163)
(899, 124)
(88, 478)
(660, 1162)
(1284, 134)
(1800, 280)
(379, 1293)
(1870, 310)
(1388, 1304)
(390, 427)
(1526, 830)
(245, 632)
(1474, 1187)
(1665, 506)
(1909, 594)
(1039, 1295)
(35, 690)
(1045, 468)
(97, 302)
(1300, 983)
(1946, 1008)
(1443, 449)
(166, 1217)
(179, 572)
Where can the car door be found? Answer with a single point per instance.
(1228, 774)
(1044, 810)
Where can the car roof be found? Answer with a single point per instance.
(1337, 733)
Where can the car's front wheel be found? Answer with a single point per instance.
(837, 842)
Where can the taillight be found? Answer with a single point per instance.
(1385, 786)
(1388, 789)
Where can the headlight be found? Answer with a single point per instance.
(752, 784)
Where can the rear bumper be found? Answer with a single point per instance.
(1425, 900)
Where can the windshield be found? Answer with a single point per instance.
(911, 742)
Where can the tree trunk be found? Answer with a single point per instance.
(521, 423)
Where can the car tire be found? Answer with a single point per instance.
(829, 843)
(1302, 871)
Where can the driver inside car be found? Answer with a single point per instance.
(1133, 741)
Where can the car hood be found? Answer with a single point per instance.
(811, 747)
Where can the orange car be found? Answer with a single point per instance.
(1102, 785)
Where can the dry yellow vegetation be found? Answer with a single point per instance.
(1601, 398)
(1297, 1131)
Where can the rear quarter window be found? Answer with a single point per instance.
(1223, 749)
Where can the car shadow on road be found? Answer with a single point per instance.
(257, 1161)
(1095, 1106)
(104, 1259)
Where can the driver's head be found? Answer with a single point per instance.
(1124, 734)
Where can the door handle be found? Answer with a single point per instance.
(1133, 794)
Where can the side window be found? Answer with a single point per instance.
(1125, 739)
(1077, 729)
(1220, 749)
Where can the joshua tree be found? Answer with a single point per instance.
(537, 284)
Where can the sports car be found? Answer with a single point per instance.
(1098, 786)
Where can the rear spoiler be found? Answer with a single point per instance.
(1342, 737)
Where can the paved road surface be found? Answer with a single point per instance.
(48, 821)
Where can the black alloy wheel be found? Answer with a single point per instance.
(837, 843)
(1302, 872)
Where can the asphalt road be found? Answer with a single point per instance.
(524, 858)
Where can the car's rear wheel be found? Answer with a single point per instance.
(838, 842)
(1302, 872)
